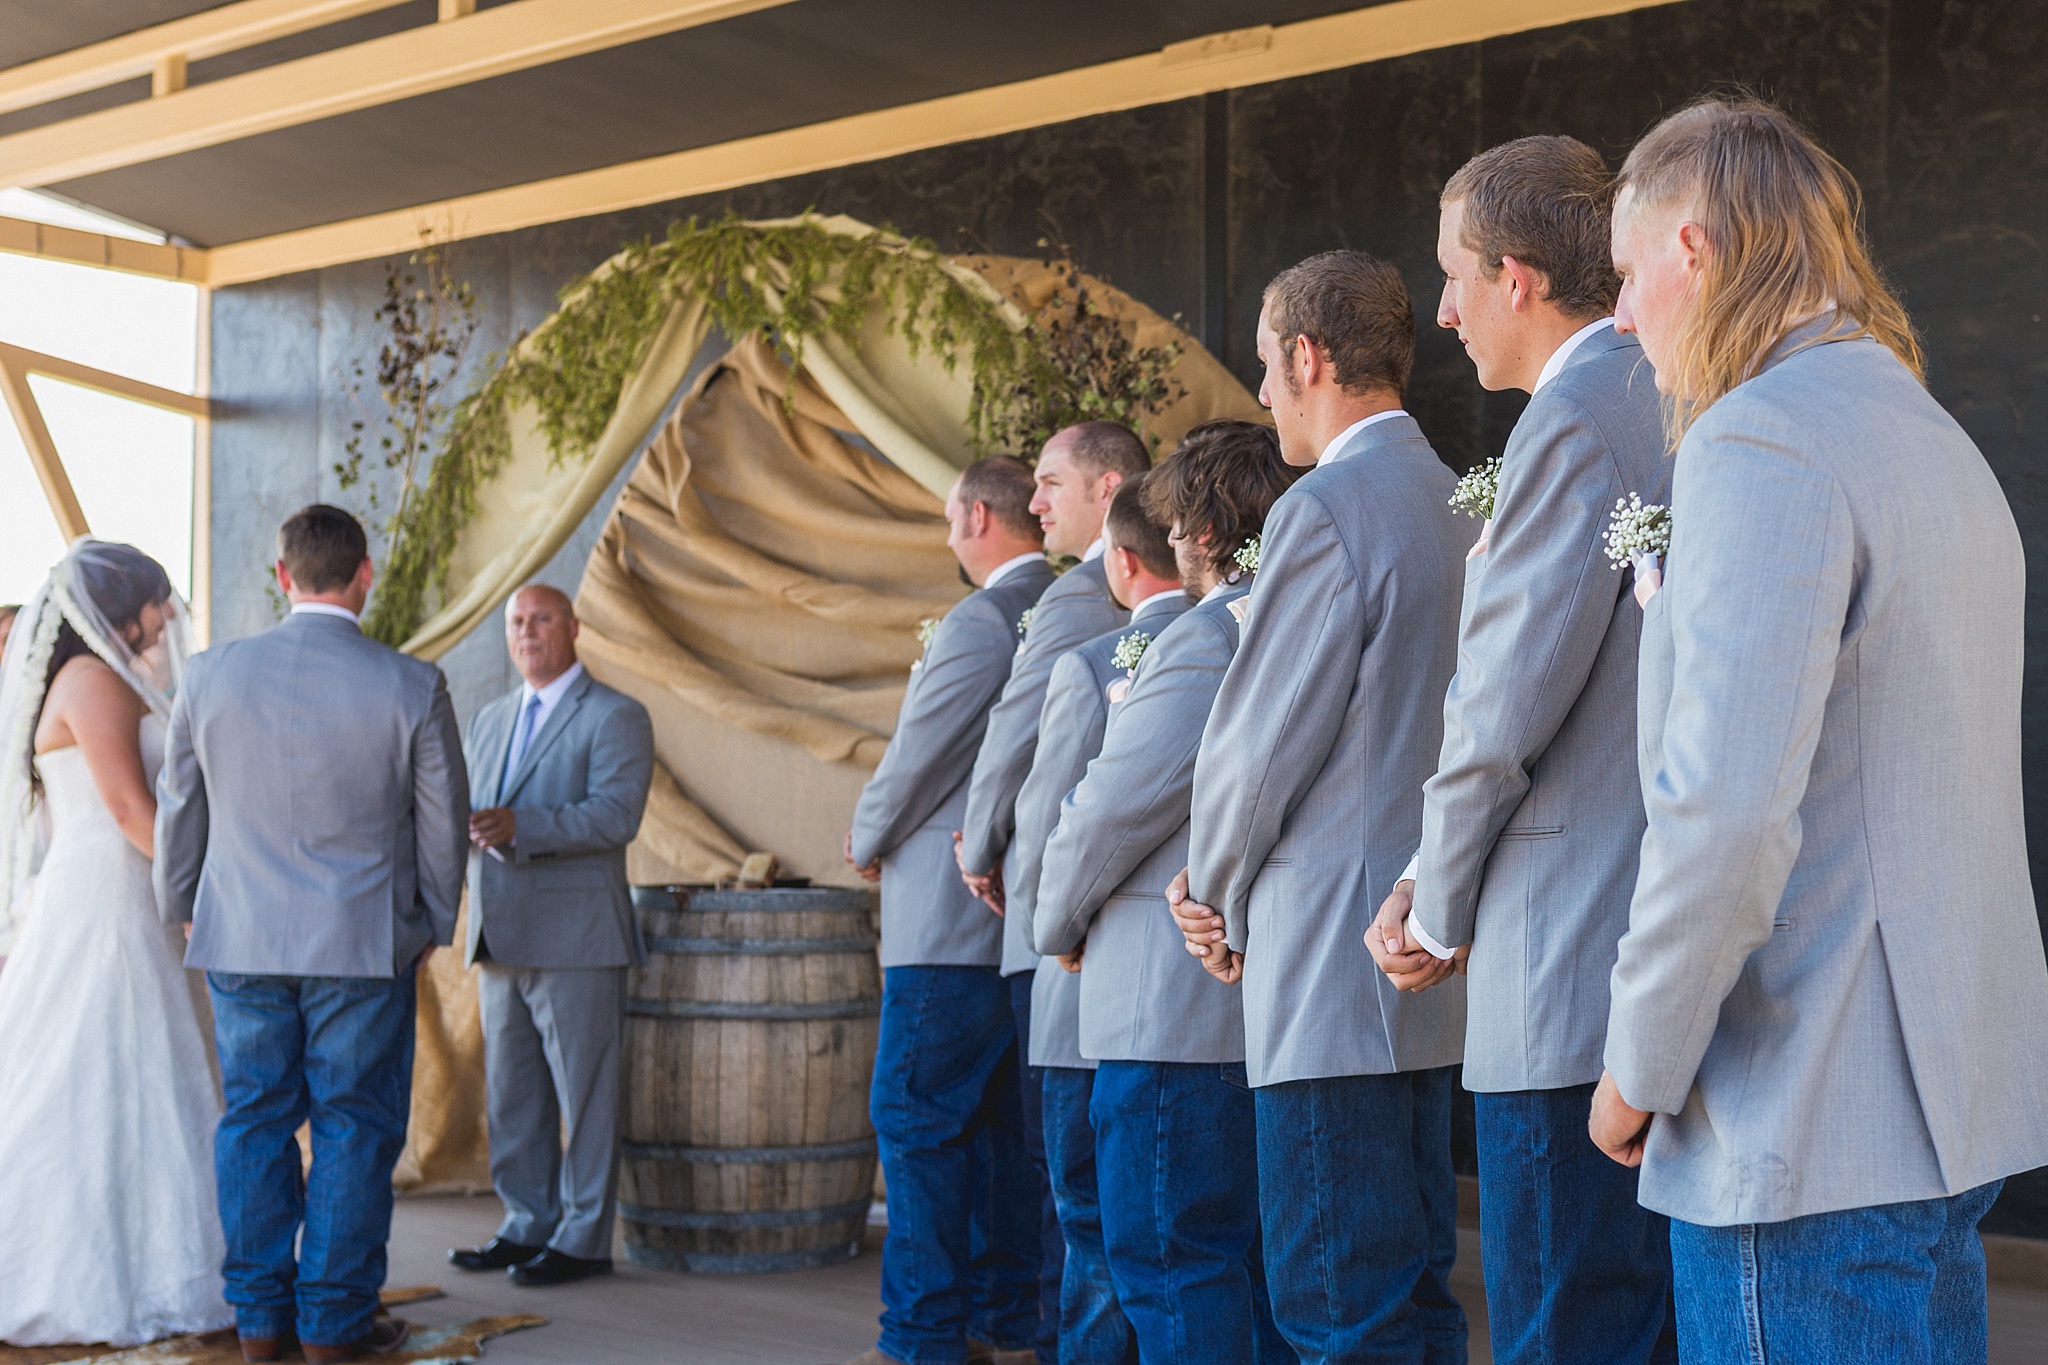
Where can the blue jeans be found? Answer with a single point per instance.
(1093, 1329)
(337, 1050)
(1897, 1283)
(1177, 1147)
(1360, 1214)
(1051, 1246)
(962, 1249)
(1577, 1272)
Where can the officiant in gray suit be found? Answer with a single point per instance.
(1308, 803)
(558, 781)
(1531, 824)
(309, 830)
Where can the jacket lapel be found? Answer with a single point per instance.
(557, 718)
(494, 741)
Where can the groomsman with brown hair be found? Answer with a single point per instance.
(1308, 803)
(1531, 825)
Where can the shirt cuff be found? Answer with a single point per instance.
(1422, 936)
(1436, 950)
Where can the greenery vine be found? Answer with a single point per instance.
(794, 282)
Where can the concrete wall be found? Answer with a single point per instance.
(1940, 109)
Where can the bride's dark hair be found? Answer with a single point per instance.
(120, 580)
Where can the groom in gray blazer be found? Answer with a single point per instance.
(1531, 824)
(945, 1101)
(1308, 804)
(1830, 1011)
(1078, 472)
(310, 829)
(558, 781)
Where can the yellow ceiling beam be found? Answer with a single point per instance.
(417, 61)
(25, 361)
(20, 237)
(1217, 62)
(209, 33)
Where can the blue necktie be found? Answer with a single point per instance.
(522, 736)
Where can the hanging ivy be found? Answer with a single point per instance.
(792, 281)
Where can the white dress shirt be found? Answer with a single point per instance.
(1361, 424)
(1010, 566)
(327, 609)
(1144, 602)
(1094, 551)
(1551, 369)
(1555, 365)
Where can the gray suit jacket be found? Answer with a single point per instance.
(1073, 611)
(561, 899)
(1077, 708)
(1122, 837)
(312, 812)
(1308, 788)
(1830, 727)
(917, 798)
(1531, 824)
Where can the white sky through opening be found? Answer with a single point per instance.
(131, 464)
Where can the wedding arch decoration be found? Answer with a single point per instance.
(763, 569)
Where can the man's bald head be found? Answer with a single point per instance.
(540, 633)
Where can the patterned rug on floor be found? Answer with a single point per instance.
(455, 1343)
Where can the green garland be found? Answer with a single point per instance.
(572, 369)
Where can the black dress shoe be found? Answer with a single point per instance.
(496, 1254)
(557, 1267)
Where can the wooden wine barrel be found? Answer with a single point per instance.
(750, 1042)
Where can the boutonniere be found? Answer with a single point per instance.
(1640, 535)
(925, 630)
(1247, 556)
(1024, 625)
(1474, 497)
(1130, 651)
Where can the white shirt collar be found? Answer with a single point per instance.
(1144, 602)
(1225, 586)
(1010, 566)
(1093, 551)
(1554, 366)
(327, 609)
(1344, 436)
(552, 693)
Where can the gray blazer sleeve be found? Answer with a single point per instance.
(1281, 707)
(181, 817)
(943, 718)
(1072, 718)
(621, 765)
(440, 795)
(1757, 592)
(1540, 610)
(1057, 625)
(1135, 795)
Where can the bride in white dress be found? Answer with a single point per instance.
(107, 1097)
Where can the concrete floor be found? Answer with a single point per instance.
(646, 1317)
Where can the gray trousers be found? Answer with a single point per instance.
(551, 1077)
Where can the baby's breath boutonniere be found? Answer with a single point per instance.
(1247, 556)
(1636, 530)
(1640, 535)
(1475, 492)
(925, 630)
(1130, 651)
(1024, 622)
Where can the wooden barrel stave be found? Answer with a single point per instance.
(750, 1042)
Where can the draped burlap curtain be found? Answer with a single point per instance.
(758, 587)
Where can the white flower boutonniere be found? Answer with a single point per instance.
(1024, 627)
(1247, 555)
(1640, 535)
(926, 629)
(1475, 492)
(1130, 651)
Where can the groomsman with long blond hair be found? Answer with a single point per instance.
(1828, 1042)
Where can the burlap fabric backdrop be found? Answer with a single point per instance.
(758, 587)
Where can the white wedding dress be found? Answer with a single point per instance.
(108, 1229)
